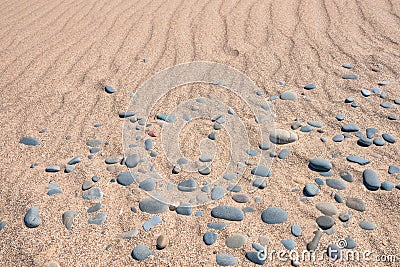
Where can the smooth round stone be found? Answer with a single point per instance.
(254, 257)
(141, 252)
(226, 260)
(326, 174)
(217, 193)
(284, 153)
(54, 191)
(320, 165)
(364, 142)
(241, 198)
(32, 217)
(393, 169)
(306, 129)
(296, 230)
(349, 100)
(338, 198)
(152, 206)
(151, 223)
(359, 134)
(347, 176)
(339, 117)
(386, 105)
(147, 184)
(252, 152)
(29, 141)
(346, 135)
(388, 138)
(371, 180)
(350, 127)
(68, 218)
(95, 208)
(379, 141)
(162, 242)
(392, 117)
(126, 114)
(261, 171)
(310, 86)
(87, 185)
(334, 252)
(376, 90)
(234, 188)
(347, 66)
(289, 244)
(371, 132)
(325, 222)
(288, 95)
(69, 169)
(3, 224)
(92, 194)
(209, 238)
(216, 225)
(235, 241)
(354, 104)
(93, 150)
(74, 160)
(397, 101)
(184, 209)
(95, 179)
(357, 159)
(148, 144)
(280, 137)
(204, 158)
(109, 89)
(98, 219)
(199, 213)
(319, 181)
(53, 168)
(229, 176)
(166, 117)
(356, 204)
(344, 216)
(272, 98)
(212, 136)
(126, 178)
(327, 208)
(94, 142)
(274, 215)
(387, 186)
(315, 124)
(132, 161)
(111, 160)
(350, 243)
(310, 190)
(384, 83)
(335, 184)
(227, 213)
(365, 225)
(350, 77)
(338, 138)
(365, 92)
(260, 183)
(187, 185)
(204, 170)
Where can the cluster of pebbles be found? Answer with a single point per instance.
(227, 214)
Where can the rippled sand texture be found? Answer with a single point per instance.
(56, 57)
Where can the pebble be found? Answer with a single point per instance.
(235, 241)
(68, 218)
(129, 234)
(126, 114)
(274, 215)
(349, 100)
(347, 176)
(204, 170)
(226, 260)
(335, 184)
(296, 230)
(350, 243)
(339, 117)
(209, 238)
(75, 160)
(132, 161)
(350, 77)
(141, 252)
(356, 204)
(152, 206)
(334, 252)
(162, 242)
(252, 152)
(387, 186)
(338, 198)
(32, 217)
(347, 66)
(184, 209)
(111, 160)
(388, 138)
(338, 138)
(204, 158)
(241, 198)
(327, 208)
(109, 89)
(69, 169)
(310, 86)
(148, 144)
(187, 185)
(126, 178)
(364, 142)
(320, 165)
(325, 222)
(379, 141)
(93, 142)
(386, 105)
(319, 181)
(93, 150)
(284, 153)
(365, 92)
(29, 141)
(92, 194)
(306, 129)
(310, 190)
(371, 180)
(383, 95)
(234, 188)
(95, 208)
(350, 127)
(95, 179)
(54, 191)
(261, 171)
(393, 169)
(87, 185)
(289, 244)
(151, 223)
(227, 213)
(147, 184)
(52, 168)
(397, 101)
(216, 225)
(357, 159)
(371, 132)
(254, 257)
(392, 117)
(98, 219)
(288, 95)
(3, 224)
(365, 225)
(166, 117)
(280, 137)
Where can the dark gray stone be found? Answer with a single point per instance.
(32, 217)
(227, 213)
(152, 206)
(371, 180)
(274, 215)
(29, 141)
(141, 252)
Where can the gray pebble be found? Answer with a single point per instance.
(152, 206)
(320, 165)
(296, 230)
(184, 209)
(209, 238)
(241, 198)
(274, 215)
(98, 219)
(226, 260)
(147, 184)
(132, 161)
(325, 222)
(141, 252)
(217, 193)
(32, 217)
(126, 178)
(68, 218)
(284, 153)
(288, 95)
(334, 252)
(357, 159)
(356, 204)
(151, 223)
(327, 208)
(365, 225)
(216, 225)
(95, 208)
(92, 194)
(187, 185)
(235, 241)
(53, 168)
(371, 180)
(335, 184)
(227, 213)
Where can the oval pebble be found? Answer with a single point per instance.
(216, 225)
(187, 185)
(350, 128)
(357, 159)
(151, 223)
(350, 77)
(365, 225)
(162, 242)
(389, 138)
(68, 218)
(338, 138)
(147, 184)
(95, 208)
(334, 252)
(387, 186)
(132, 161)
(184, 209)
(226, 260)
(379, 141)
(281, 137)
(92, 194)
(320, 165)
(217, 193)
(350, 243)
(52, 168)
(32, 217)
(209, 238)
(126, 178)
(284, 153)
(296, 230)
(227, 213)
(274, 215)
(289, 244)
(288, 95)
(204, 170)
(235, 241)
(310, 190)
(141, 252)
(325, 222)
(241, 198)
(98, 219)
(356, 204)
(327, 208)
(371, 180)
(152, 206)
(365, 92)
(347, 176)
(335, 184)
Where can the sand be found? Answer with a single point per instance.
(57, 56)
